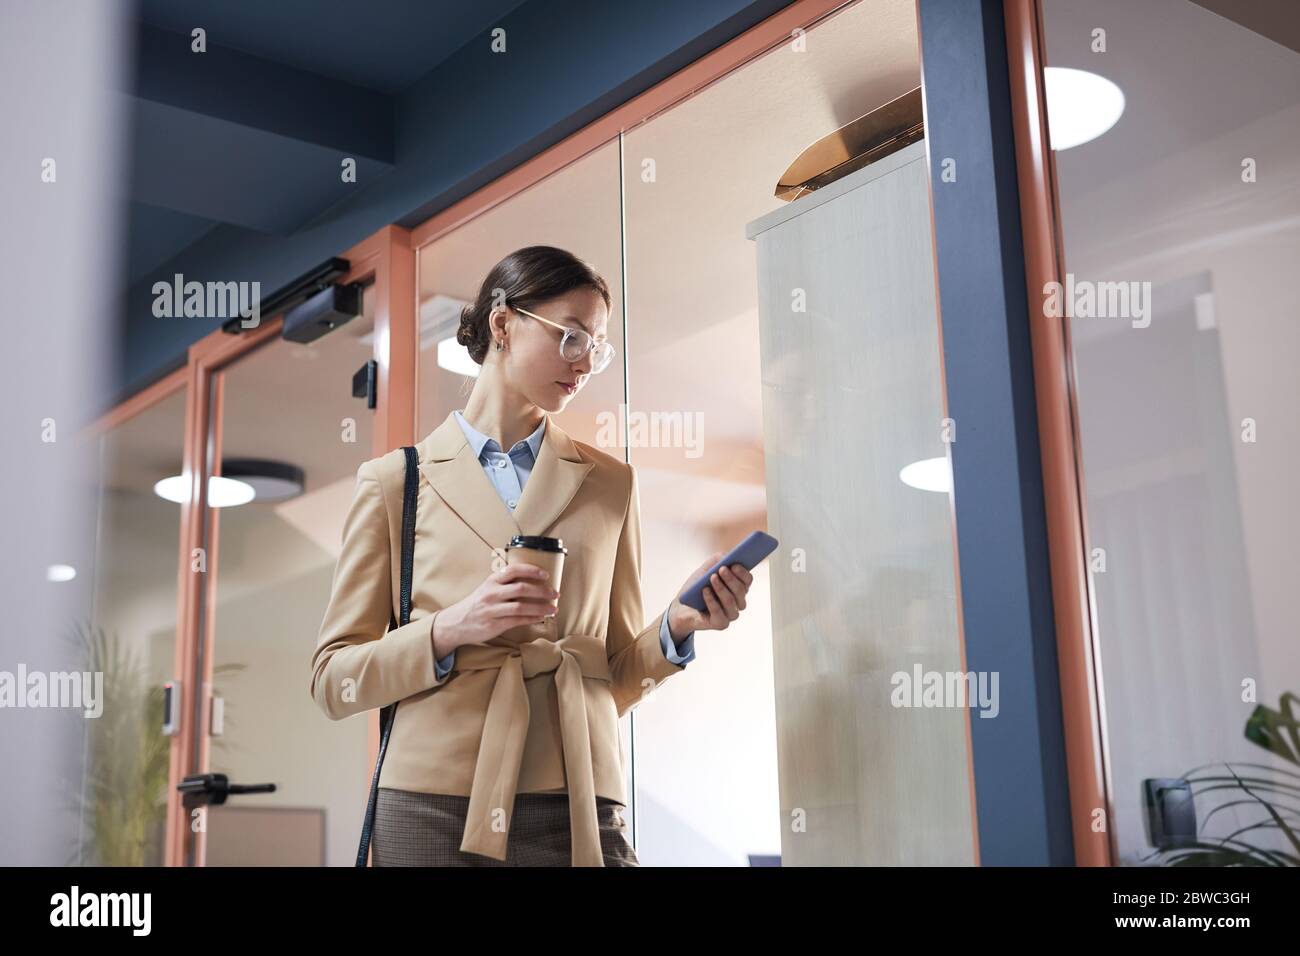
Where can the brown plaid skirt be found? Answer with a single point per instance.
(425, 829)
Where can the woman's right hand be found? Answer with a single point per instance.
(514, 595)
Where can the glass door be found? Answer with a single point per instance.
(287, 438)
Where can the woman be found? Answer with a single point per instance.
(504, 748)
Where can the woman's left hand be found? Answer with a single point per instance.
(724, 596)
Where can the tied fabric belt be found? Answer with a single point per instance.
(496, 772)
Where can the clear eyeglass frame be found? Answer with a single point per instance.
(575, 343)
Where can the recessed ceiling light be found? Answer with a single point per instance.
(1080, 105)
(929, 474)
(60, 572)
(222, 492)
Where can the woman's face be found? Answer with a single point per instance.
(532, 361)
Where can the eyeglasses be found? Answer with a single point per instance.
(576, 343)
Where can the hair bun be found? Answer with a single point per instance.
(465, 331)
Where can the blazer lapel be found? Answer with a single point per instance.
(449, 464)
(556, 476)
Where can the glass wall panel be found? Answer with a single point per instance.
(130, 638)
(780, 743)
(1181, 230)
(783, 370)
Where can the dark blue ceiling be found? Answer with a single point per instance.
(252, 133)
(236, 152)
(382, 45)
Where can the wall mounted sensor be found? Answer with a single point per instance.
(171, 724)
(365, 383)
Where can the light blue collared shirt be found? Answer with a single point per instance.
(509, 484)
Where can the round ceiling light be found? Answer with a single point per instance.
(222, 492)
(929, 474)
(1080, 105)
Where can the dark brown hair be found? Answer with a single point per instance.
(525, 277)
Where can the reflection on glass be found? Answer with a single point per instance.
(1182, 229)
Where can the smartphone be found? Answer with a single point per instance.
(748, 553)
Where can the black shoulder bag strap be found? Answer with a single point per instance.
(386, 713)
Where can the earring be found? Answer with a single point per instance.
(500, 347)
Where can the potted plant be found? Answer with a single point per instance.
(123, 799)
(1272, 791)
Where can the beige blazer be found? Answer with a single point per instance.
(535, 709)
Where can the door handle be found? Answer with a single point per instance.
(203, 789)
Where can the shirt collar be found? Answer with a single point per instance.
(478, 441)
